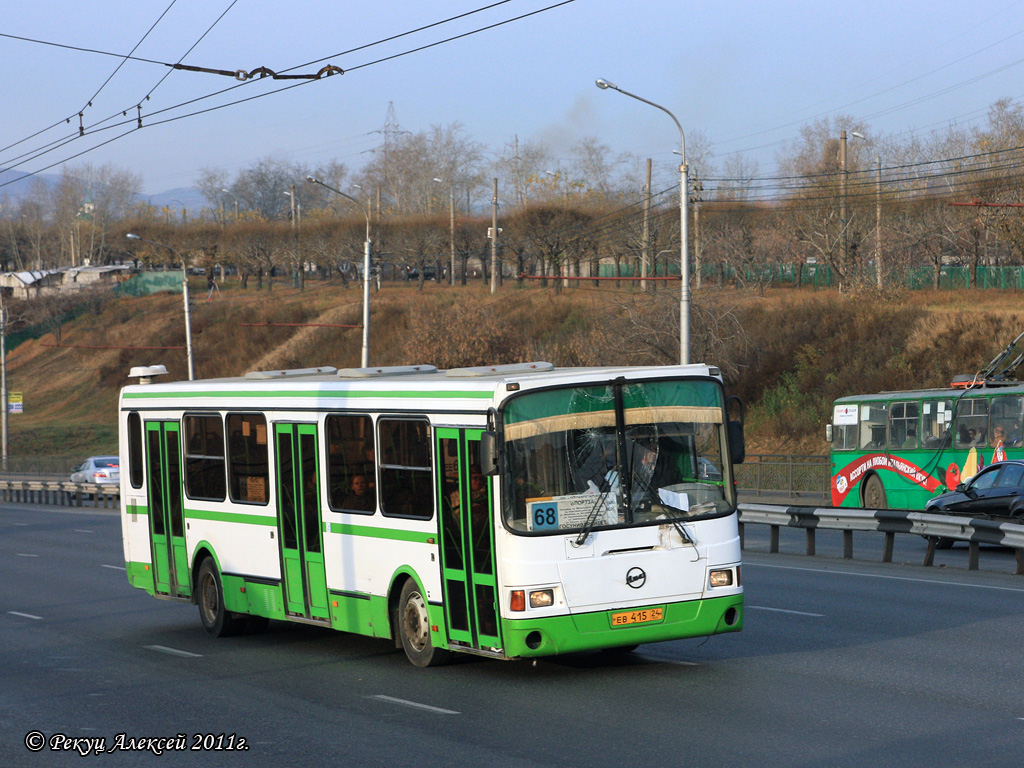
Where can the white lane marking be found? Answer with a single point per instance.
(174, 652)
(25, 554)
(25, 615)
(414, 705)
(115, 567)
(783, 610)
(665, 660)
(82, 530)
(937, 582)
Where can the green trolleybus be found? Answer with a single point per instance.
(510, 511)
(898, 449)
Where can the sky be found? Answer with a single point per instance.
(743, 75)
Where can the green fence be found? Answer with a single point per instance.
(148, 283)
(822, 276)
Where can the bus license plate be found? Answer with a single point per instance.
(637, 617)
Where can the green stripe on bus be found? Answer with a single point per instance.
(419, 537)
(205, 394)
(372, 532)
(230, 517)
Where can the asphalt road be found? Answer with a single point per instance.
(841, 663)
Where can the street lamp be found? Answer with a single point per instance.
(228, 193)
(451, 219)
(684, 234)
(184, 293)
(365, 359)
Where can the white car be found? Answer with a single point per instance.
(98, 469)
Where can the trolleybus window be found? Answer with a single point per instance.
(844, 430)
(936, 420)
(1006, 420)
(971, 422)
(873, 421)
(903, 418)
(248, 461)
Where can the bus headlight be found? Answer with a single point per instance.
(720, 578)
(542, 598)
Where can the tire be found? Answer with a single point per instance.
(216, 619)
(412, 623)
(874, 494)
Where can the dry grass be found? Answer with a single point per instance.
(788, 353)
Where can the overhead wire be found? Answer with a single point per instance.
(93, 129)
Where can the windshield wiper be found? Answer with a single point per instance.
(677, 522)
(600, 504)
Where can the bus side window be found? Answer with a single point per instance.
(406, 477)
(204, 457)
(248, 458)
(135, 466)
(351, 465)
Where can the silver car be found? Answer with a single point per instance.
(98, 469)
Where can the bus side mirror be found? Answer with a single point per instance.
(828, 433)
(490, 455)
(737, 442)
(734, 431)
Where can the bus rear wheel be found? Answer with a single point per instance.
(412, 622)
(874, 493)
(216, 619)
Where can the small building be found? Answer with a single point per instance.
(30, 284)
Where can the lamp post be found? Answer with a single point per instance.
(233, 198)
(365, 358)
(684, 234)
(184, 293)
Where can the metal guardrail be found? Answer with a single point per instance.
(975, 531)
(63, 492)
(796, 475)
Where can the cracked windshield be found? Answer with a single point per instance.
(615, 454)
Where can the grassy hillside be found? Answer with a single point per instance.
(787, 353)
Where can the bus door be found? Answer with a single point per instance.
(466, 528)
(299, 522)
(166, 513)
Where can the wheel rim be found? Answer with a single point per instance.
(874, 497)
(209, 602)
(415, 624)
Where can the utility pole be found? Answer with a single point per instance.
(451, 226)
(5, 437)
(878, 219)
(842, 196)
(698, 187)
(647, 229)
(494, 239)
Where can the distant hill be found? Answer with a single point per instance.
(16, 185)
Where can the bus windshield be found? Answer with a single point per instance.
(615, 454)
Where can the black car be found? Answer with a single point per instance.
(995, 493)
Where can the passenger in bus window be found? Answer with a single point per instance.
(359, 497)
(911, 439)
(998, 436)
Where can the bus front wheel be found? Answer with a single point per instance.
(217, 620)
(412, 622)
(874, 493)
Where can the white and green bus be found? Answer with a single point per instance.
(601, 505)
